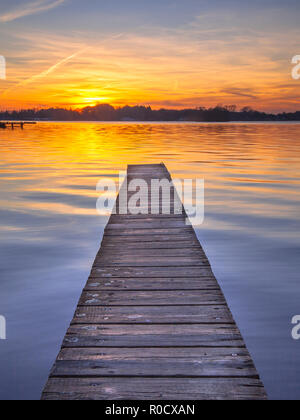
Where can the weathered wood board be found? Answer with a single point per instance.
(152, 322)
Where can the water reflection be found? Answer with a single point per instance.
(50, 231)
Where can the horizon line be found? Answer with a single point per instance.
(229, 108)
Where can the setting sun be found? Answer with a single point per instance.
(91, 101)
(150, 173)
(221, 59)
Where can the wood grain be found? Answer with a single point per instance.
(152, 322)
(163, 389)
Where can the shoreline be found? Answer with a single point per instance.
(154, 122)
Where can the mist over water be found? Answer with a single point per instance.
(50, 232)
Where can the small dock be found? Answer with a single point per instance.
(152, 322)
(13, 124)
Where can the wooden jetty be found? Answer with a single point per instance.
(152, 322)
(13, 124)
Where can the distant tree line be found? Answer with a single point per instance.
(106, 112)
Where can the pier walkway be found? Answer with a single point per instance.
(152, 322)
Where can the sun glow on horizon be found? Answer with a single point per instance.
(83, 102)
(181, 68)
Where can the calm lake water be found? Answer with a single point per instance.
(50, 232)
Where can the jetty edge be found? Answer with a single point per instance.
(13, 124)
(152, 322)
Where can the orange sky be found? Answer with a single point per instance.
(193, 64)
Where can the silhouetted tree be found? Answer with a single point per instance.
(106, 112)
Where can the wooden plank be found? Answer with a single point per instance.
(134, 225)
(172, 366)
(129, 218)
(131, 261)
(115, 222)
(181, 335)
(151, 283)
(168, 252)
(163, 389)
(150, 297)
(151, 237)
(193, 353)
(212, 314)
(186, 230)
(152, 321)
(160, 272)
(114, 244)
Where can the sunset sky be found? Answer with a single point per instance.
(163, 53)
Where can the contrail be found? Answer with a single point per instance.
(45, 72)
(54, 67)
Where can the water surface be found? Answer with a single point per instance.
(50, 232)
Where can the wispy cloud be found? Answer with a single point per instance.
(239, 92)
(32, 8)
(161, 68)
